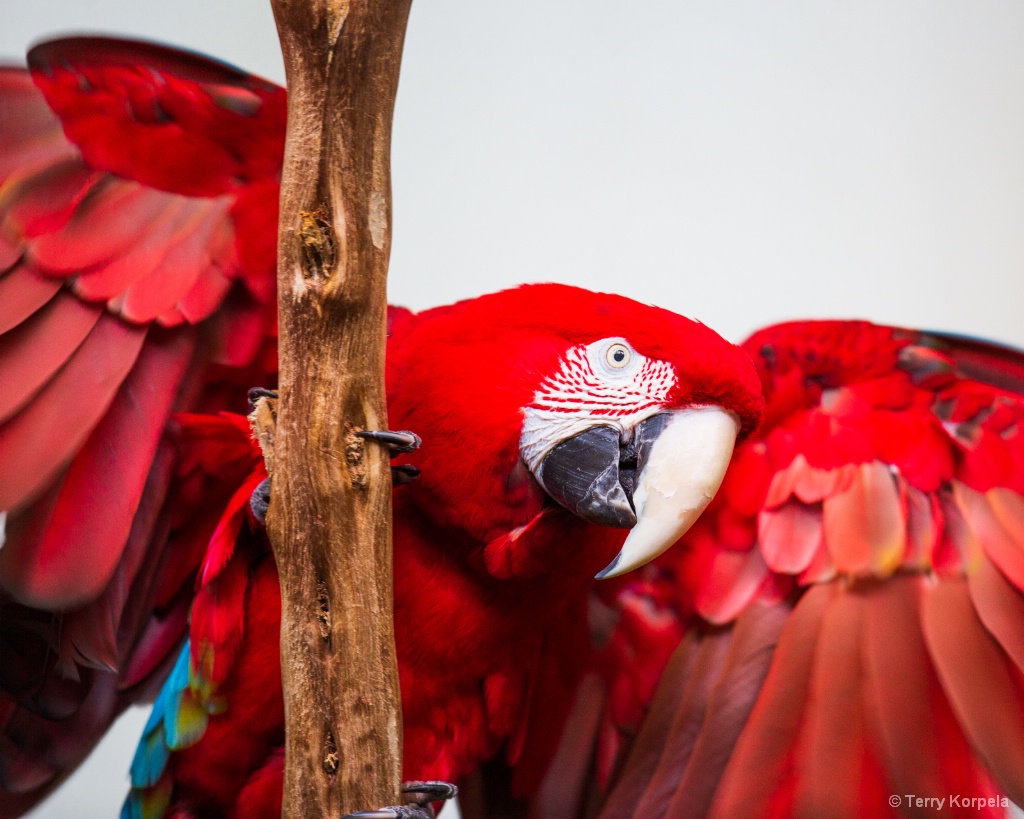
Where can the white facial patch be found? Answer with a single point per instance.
(606, 383)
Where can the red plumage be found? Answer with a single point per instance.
(850, 602)
(92, 259)
(880, 501)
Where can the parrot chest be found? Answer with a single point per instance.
(471, 650)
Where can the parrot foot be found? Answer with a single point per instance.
(404, 473)
(398, 441)
(264, 419)
(259, 501)
(420, 795)
(256, 393)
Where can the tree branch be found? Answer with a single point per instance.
(330, 513)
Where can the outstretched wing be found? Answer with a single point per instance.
(155, 212)
(138, 211)
(857, 584)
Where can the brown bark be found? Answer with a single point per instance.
(330, 513)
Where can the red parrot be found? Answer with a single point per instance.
(540, 437)
(563, 409)
(840, 627)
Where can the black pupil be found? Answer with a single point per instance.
(619, 355)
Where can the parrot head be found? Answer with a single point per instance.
(548, 398)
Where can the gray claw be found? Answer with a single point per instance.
(433, 790)
(257, 393)
(418, 808)
(397, 441)
(395, 812)
(386, 813)
(404, 473)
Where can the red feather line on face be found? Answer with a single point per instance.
(577, 388)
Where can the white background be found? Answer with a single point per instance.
(739, 162)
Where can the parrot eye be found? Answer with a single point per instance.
(618, 356)
(615, 360)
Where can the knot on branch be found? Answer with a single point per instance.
(317, 243)
(355, 457)
(323, 610)
(331, 758)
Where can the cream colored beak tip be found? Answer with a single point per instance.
(686, 466)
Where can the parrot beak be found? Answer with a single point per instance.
(655, 478)
(593, 474)
(680, 476)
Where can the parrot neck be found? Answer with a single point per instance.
(470, 642)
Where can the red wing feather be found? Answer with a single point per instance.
(31, 134)
(169, 119)
(149, 255)
(33, 352)
(646, 750)
(109, 218)
(72, 402)
(102, 633)
(980, 360)
(763, 760)
(886, 491)
(71, 563)
(752, 645)
(1003, 544)
(984, 688)
(23, 291)
(832, 748)
(790, 536)
(1000, 607)
(708, 662)
(865, 528)
(900, 689)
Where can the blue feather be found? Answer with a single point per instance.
(150, 759)
(178, 720)
(153, 751)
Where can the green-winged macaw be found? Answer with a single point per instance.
(843, 624)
